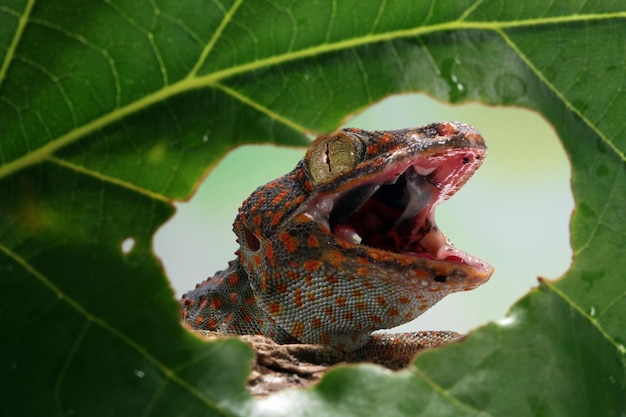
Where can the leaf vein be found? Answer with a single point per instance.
(447, 395)
(257, 106)
(331, 21)
(68, 361)
(165, 370)
(561, 96)
(21, 26)
(470, 10)
(228, 16)
(193, 82)
(379, 15)
(99, 50)
(595, 323)
(107, 179)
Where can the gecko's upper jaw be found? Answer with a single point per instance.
(393, 210)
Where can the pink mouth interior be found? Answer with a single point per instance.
(394, 210)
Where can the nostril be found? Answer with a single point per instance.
(440, 278)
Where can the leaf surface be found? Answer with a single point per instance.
(110, 111)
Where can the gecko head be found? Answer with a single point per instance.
(377, 191)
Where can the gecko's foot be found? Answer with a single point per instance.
(396, 350)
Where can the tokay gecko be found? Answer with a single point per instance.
(346, 243)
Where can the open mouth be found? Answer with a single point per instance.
(394, 210)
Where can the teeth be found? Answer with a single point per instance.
(347, 233)
(423, 170)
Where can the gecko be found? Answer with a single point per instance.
(346, 243)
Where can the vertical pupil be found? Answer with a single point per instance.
(327, 155)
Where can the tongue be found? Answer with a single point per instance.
(419, 192)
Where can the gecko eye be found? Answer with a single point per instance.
(331, 156)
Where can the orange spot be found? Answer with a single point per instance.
(292, 274)
(367, 283)
(199, 319)
(232, 297)
(375, 319)
(404, 300)
(288, 241)
(276, 218)
(381, 300)
(233, 280)
(361, 306)
(297, 329)
(269, 254)
(334, 257)
(257, 221)
(246, 318)
(363, 261)
(386, 138)
(328, 292)
(363, 271)
(250, 300)
(329, 311)
(325, 338)
(393, 312)
(331, 280)
(372, 149)
(308, 278)
(258, 204)
(315, 322)
(203, 302)
(356, 293)
(211, 324)
(274, 308)
(297, 298)
(348, 315)
(446, 129)
(257, 259)
(310, 296)
(341, 301)
(281, 196)
(215, 303)
(281, 288)
(312, 266)
(312, 241)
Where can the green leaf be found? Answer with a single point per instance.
(110, 111)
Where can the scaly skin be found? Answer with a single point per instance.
(321, 262)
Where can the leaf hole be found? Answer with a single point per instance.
(127, 245)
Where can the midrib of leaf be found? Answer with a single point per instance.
(193, 81)
(91, 318)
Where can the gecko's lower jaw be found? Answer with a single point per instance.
(394, 210)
